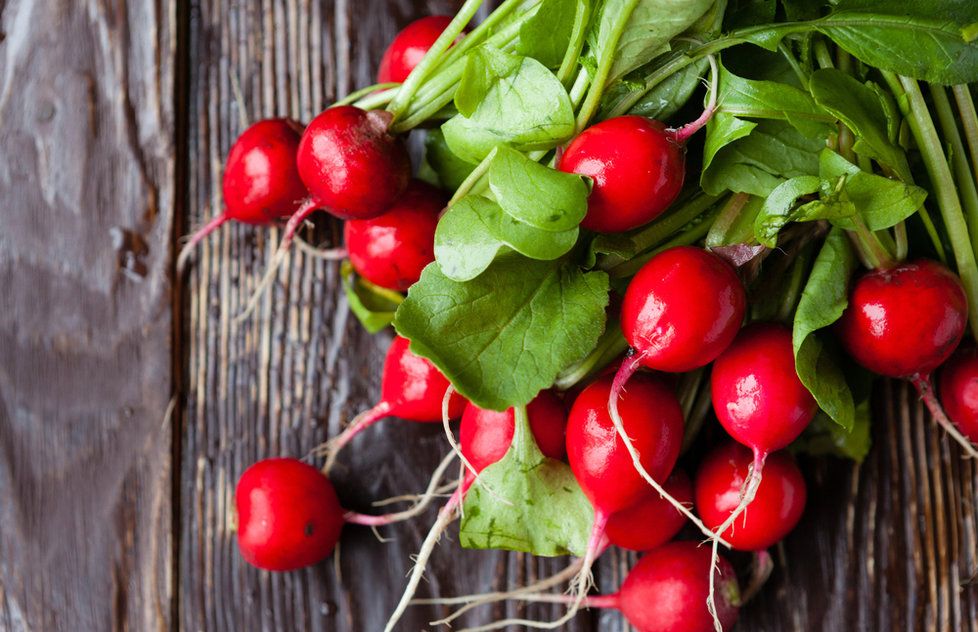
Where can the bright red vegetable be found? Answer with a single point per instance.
(652, 521)
(409, 46)
(637, 168)
(959, 390)
(777, 505)
(393, 249)
(288, 515)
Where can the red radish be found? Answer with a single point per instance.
(682, 309)
(393, 249)
(905, 322)
(485, 438)
(636, 165)
(261, 179)
(652, 521)
(757, 395)
(485, 435)
(778, 503)
(411, 388)
(664, 592)
(409, 47)
(288, 515)
(352, 166)
(637, 169)
(959, 390)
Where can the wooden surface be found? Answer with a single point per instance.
(114, 120)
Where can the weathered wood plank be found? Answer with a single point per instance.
(86, 179)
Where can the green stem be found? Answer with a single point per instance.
(803, 78)
(473, 180)
(796, 282)
(726, 217)
(872, 248)
(579, 89)
(969, 120)
(660, 230)
(611, 345)
(959, 160)
(593, 99)
(922, 126)
(685, 238)
(573, 54)
(432, 58)
(900, 245)
(384, 93)
(822, 55)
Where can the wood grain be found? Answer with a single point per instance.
(114, 121)
(86, 179)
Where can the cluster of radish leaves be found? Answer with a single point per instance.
(516, 298)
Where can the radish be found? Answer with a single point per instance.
(485, 438)
(261, 180)
(393, 249)
(778, 503)
(904, 322)
(680, 311)
(652, 521)
(760, 401)
(959, 390)
(352, 167)
(411, 388)
(409, 46)
(636, 165)
(289, 516)
(637, 169)
(664, 592)
(757, 395)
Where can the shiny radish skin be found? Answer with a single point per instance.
(485, 435)
(288, 515)
(958, 384)
(777, 506)
(906, 320)
(351, 164)
(601, 464)
(637, 168)
(261, 180)
(409, 46)
(756, 393)
(666, 591)
(393, 249)
(414, 387)
(652, 521)
(682, 309)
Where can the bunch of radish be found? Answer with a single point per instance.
(596, 316)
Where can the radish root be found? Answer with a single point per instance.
(362, 421)
(628, 368)
(446, 516)
(417, 508)
(925, 389)
(747, 496)
(682, 134)
(196, 238)
(283, 248)
(326, 254)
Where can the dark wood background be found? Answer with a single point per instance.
(114, 120)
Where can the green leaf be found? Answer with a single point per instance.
(536, 194)
(547, 35)
(755, 99)
(822, 302)
(373, 305)
(665, 99)
(825, 438)
(450, 169)
(758, 158)
(505, 335)
(863, 111)
(879, 201)
(525, 109)
(645, 34)
(474, 230)
(484, 67)
(547, 513)
(923, 39)
(778, 207)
